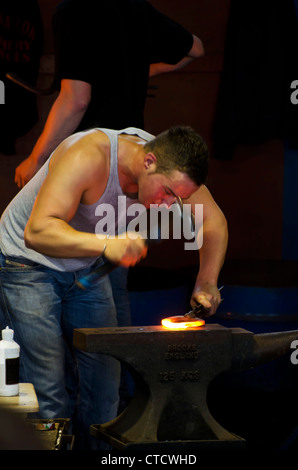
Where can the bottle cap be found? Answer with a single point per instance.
(7, 334)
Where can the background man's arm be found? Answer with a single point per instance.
(196, 51)
(64, 117)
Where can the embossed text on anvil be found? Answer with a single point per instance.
(182, 351)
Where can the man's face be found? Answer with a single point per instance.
(158, 188)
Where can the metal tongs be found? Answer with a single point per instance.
(199, 311)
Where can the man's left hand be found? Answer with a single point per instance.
(207, 295)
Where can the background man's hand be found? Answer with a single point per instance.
(25, 171)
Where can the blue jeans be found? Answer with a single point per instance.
(118, 278)
(43, 307)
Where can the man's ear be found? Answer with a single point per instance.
(150, 161)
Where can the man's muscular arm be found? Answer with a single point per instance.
(48, 230)
(72, 175)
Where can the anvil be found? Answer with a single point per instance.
(172, 370)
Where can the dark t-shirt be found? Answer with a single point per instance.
(20, 49)
(110, 44)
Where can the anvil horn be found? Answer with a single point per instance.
(260, 348)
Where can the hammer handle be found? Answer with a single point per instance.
(87, 281)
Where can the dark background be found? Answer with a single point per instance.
(257, 191)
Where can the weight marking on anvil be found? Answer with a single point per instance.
(182, 351)
(183, 376)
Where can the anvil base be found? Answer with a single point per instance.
(100, 432)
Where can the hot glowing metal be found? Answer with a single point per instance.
(180, 322)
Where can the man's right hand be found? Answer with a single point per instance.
(126, 251)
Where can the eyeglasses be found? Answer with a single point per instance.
(180, 204)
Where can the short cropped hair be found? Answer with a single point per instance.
(181, 148)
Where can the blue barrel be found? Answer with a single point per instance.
(259, 309)
(262, 310)
(151, 306)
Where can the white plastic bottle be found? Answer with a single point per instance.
(9, 364)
